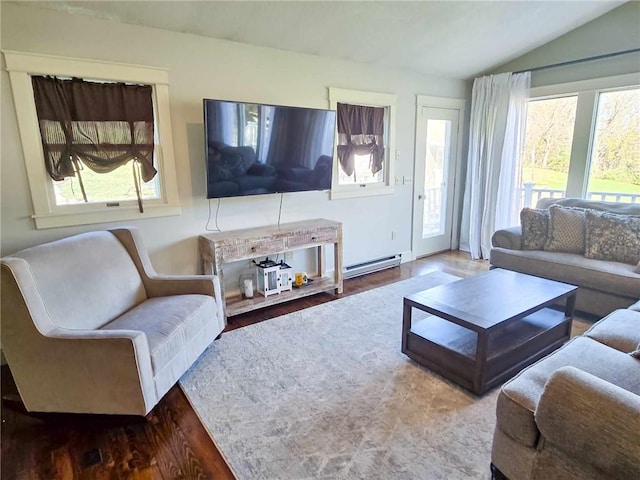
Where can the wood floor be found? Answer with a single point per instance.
(170, 443)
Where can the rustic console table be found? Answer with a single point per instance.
(220, 248)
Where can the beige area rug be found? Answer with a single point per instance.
(325, 393)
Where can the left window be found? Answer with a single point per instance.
(117, 155)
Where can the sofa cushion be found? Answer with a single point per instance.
(619, 330)
(519, 397)
(612, 237)
(566, 230)
(535, 226)
(610, 277)
(169, 322)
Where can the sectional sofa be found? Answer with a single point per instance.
(604, 285)
(575, 414)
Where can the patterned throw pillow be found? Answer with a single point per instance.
(566, 229)
(535, 225)
(612, 237)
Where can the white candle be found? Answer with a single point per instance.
(248, 288)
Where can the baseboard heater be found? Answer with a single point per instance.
(372, 266)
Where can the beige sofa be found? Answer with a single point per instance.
(604, 285)
(89, 327)
(575, 413)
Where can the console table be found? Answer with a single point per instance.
(220, 248)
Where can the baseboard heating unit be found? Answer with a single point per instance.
(371, 266)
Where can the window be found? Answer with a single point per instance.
(365, 147)
(583, 140)
(547, 147)
(614, 170)
(92, 193)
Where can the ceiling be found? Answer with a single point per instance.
(457, 39)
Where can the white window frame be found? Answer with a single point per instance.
(370, 99)
(588, 92)
(47, 214)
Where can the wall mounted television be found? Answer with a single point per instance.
(255, 149)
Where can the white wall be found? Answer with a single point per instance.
(615, 31)
(206, 68)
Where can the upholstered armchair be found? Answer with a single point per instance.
(89, 327)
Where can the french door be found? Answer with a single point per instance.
(436, 164)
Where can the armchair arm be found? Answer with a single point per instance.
(591, 420)
(86, 371)
(510, 238)
(163, 285)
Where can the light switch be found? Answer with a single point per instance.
(407, 180)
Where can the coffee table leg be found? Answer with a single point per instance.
(481, 362)
(406, 324)
(569, 309)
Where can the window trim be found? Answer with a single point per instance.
(587, 92)
(370, 99)
(47, 214)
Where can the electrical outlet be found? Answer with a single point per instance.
(288, 257)
(407, 180)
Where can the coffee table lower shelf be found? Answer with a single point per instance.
(452, 350)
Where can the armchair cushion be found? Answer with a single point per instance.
(168, 322)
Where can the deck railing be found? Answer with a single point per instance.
(529, 196)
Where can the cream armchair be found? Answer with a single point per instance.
(89, 327)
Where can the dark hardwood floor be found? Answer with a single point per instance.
(170, 443)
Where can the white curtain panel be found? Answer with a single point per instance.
(496, 134)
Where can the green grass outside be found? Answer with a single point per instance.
(103, 187)
(551, 179)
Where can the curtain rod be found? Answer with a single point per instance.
(580, 60)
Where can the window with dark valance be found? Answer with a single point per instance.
(101, 126)
(360, 132)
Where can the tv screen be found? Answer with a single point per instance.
(255, 149)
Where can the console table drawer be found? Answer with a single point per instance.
(312, 238)
(252, 248)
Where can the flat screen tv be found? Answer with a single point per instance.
(255, 149)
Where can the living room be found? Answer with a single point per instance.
(199, 67)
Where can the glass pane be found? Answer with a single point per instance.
(436, 171)
(361, 173)
(614, 174)
(547, 149)
(114, 186)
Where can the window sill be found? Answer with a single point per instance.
(116, 214)
(354, 192)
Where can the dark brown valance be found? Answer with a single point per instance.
(360, 132)
(102, 125)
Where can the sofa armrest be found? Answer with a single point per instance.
(86, 371)
(591, 420)
(510, 238)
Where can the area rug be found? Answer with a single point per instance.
(325, 393)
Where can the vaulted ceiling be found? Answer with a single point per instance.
(457, 39)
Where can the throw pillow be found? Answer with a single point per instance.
(566, 230)
(535, 225)
(613, 237)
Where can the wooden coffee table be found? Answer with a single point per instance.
(484, 329)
